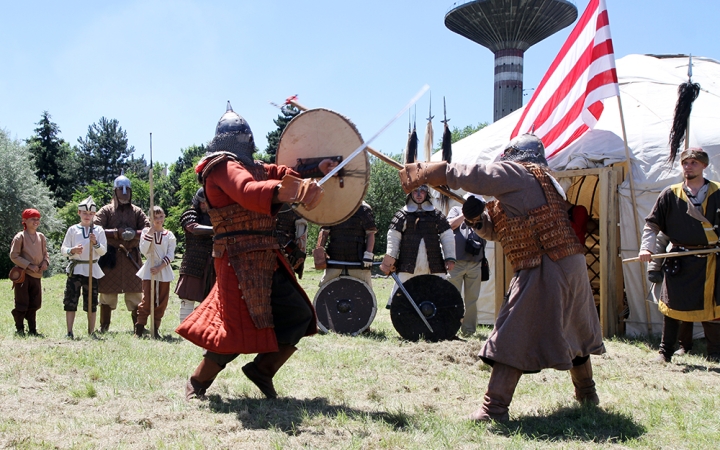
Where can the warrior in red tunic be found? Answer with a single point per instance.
(256, 305)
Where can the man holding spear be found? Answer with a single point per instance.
(689, 214)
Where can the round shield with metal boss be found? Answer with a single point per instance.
(439, 302)
(345, 305)
(317, 134)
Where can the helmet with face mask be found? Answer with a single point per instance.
(525, 148)
(233, 135)
(122, 189)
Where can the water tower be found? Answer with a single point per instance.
(508, 28)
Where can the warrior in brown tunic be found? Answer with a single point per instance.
(548, 319)
(123, 222)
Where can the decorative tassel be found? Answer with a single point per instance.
(687, 93)
(412, 147)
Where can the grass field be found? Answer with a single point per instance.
(373, 391)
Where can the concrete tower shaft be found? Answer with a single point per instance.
(508, 28)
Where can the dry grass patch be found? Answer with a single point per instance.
(374, 391)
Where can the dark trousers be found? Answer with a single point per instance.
(671, 328)
(291, 315)
(28, 299)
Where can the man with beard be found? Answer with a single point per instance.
(687, 213)
(123, 223)
(419, 240)
(197, 273)
(256, 305)
(548, 319)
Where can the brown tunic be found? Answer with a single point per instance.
(549, 316)
(26, 249)
(121, 278)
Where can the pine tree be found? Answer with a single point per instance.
(104, 152)
(54, 159)
(273, 137)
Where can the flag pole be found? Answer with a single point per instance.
(638, 235)
(151, 253)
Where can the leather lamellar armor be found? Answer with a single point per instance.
(250, 244)
(416, 226)
(346, 241)
(198, 248)
(546, 230)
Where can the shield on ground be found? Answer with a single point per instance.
(438, 300)
(345, 305)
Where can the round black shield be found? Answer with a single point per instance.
(345, 305)
(438, 300)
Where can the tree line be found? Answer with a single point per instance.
(47, 173)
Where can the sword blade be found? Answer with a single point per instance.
(366, 143)
(412, 302)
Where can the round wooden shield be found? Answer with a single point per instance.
(345, 305)
(438, 300)
(321, 133)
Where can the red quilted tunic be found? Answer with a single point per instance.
(221, 323)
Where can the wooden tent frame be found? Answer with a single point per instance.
(611, 276)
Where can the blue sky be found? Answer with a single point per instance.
(169, 67)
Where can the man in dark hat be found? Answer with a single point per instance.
(419, 240)
(548, 319)
(688, 213)
(197, 272)
(123, 223)
(256, 305)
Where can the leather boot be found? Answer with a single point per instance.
(32, 323)
(201, 379)
(712, 336)
(133, 316)
(157, 330)
(262, 370)
(105, 315)
(139, 330)
(501, 388)
(582, 378)
(19, 317)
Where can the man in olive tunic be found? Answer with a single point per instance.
(123, 222)
(548, 319)
(688, 214)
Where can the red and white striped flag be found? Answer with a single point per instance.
(568, 101)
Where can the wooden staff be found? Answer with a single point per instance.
(91, 319)
(292, 101)
(703, 251)
(151, 253)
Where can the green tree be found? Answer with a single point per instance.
(385, 196)
(461, 133)
(21, 189)
(273, 137)
(104, 152)
(188, 159)
(55, 163)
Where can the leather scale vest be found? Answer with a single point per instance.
(252, 256)
(420, 225)
(198, 248)
(546, 230)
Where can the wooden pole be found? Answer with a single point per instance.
(91, 321)
(636, 219)
(151, 253)
(702, 251)
(388, 160)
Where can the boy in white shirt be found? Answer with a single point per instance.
(79, 240)
(157, 245)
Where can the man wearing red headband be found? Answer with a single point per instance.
(29, 251)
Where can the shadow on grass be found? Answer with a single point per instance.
(689, 368)
(285, 414)
(581, 423)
